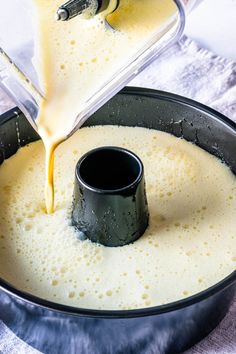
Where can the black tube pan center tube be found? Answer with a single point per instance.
(109, 202)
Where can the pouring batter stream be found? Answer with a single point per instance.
(76, 59)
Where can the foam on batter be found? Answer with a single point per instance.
(189, 245)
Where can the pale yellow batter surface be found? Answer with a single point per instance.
(189, 245)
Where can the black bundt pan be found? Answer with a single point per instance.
(172, 328)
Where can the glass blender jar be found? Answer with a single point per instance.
(18, 74)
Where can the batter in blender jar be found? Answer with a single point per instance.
(76, 58)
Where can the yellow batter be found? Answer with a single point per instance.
(76, 59)
(189, 245)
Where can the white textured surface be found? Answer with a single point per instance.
(11, 344)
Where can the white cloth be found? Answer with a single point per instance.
(187, 70)
(11, 344)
